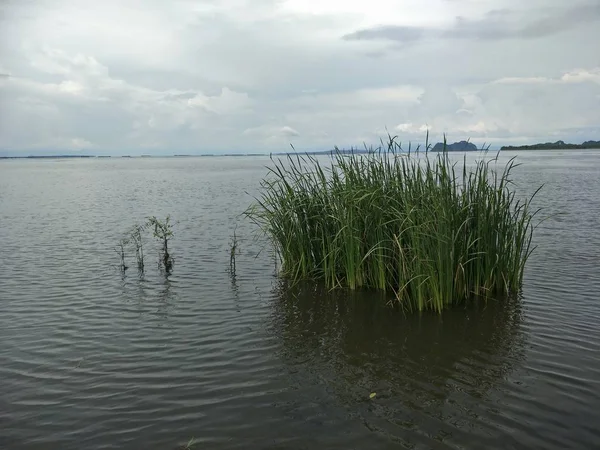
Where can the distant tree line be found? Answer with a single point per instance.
(554, 146)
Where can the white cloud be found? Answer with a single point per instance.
(480, 128)
(86, 82)
(412, 129)
(289, 131)
(272, 132)
(582, 76)
(228, 102)
(207, 76)
(522, 80)
(361, 14)
(575, 76)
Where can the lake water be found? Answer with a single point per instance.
(92, 360)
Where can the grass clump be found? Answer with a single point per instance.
(434, 233)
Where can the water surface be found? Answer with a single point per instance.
(92, 360)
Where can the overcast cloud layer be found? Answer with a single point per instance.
(181, 76)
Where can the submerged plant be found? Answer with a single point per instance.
(232, 252)
(136, 239)
(120, 249)
(163, 231)
(190, 444)
(434, 233)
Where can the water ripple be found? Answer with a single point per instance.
(92, 360)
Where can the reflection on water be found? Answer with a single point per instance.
(159, 292)
(424, 369)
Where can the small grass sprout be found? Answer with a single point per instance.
(163, 231)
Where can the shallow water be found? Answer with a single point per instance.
(89, 359)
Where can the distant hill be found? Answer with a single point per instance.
(558, 145)
(462, 146)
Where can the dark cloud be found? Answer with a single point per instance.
(392, 33)
(495, 25)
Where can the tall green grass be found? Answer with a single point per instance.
(434, 232)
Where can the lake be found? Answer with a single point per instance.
(90, 359)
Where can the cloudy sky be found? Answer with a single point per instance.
(204, 76)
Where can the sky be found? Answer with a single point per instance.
(239, 76)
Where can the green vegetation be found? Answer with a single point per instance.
(162, 231)
(434, 233)
(136, 239)
(191, 443)
(233, 249)
(558, 145)
(120, 249)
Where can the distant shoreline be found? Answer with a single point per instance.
(129, 156)
(51, 156)
(558, 145)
